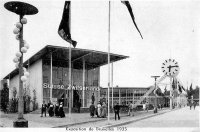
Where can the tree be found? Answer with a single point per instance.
(196, 93)
(4, 97)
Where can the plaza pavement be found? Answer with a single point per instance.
(76, 119)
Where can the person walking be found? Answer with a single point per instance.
(104, 110)
(190, 104)
(56, 110)
(147, 106)
(93, 98)
(51, 112)
(99, 109)
(129, 109)
(194, 104)
(92, 110)
(116, 110)
(61, 111)
(43, 109)
(144, 106)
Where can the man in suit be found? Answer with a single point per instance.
(43, 109)
(116, 109)
(93, 98)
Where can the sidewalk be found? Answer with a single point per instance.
(124, 120)
(76, 119)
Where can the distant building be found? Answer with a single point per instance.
(124, 95)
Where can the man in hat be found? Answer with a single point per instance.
(116, 109)
(43, 109)
(61, 111)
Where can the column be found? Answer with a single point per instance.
(51, 77)
(98, 85)
(83, 91)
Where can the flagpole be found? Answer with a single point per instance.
(70, 67)
(51, 78)
(109, 64)
(112, 83)
(70, 89)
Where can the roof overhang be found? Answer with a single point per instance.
(92, 58)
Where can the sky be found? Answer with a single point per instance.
(169, 28)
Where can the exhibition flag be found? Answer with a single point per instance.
(132, 16)
(64, 29)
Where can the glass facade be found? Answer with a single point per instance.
(60, 83)
(124, 95)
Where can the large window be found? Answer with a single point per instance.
(60, 82)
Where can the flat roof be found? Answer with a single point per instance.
(143, 88)
(93, 58)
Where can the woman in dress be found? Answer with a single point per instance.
(61, 111)
(99, 109)
(104, 110)
(56, 110)
(51, 112)
(92, 110)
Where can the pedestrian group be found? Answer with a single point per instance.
(56, 110)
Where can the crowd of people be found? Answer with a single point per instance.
(53, 110)
(100, 110)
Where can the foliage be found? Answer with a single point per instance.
(13, 105)
(193, 92)
(4, 97)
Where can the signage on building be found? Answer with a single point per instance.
(93, 88)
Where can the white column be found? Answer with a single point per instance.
(112, 82)
(83, 91)
(51, 78)
(98, 85)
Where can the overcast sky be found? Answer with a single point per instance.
(170, 30)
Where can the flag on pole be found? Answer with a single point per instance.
(191, 89)
(132, 16)
(64, 28)
(183, 88)
(179, 88)
(173, 84)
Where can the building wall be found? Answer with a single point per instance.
(34, 82)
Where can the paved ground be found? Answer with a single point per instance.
(34, 120)
(76, 119)
(179, 118)
(182, 117)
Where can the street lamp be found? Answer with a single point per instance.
(155, 110)
(21, 9)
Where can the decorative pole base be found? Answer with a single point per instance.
(20, 123)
